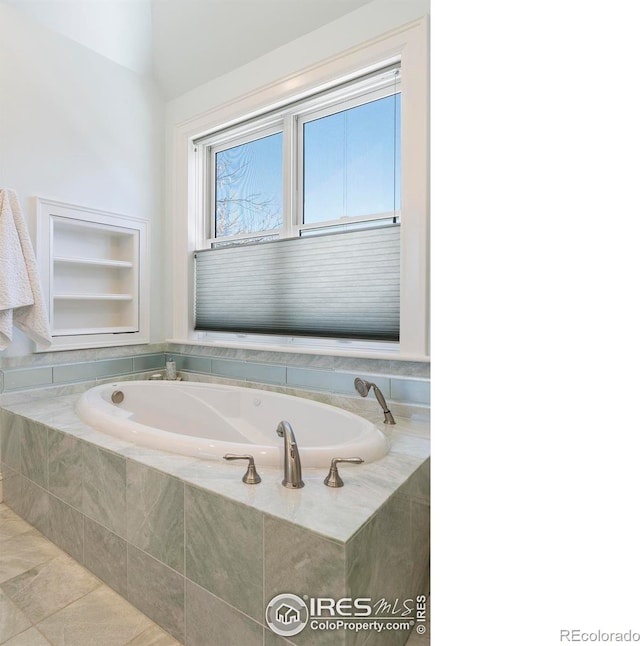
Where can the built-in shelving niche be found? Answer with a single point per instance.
(93, 267)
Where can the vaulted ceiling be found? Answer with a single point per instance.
(184, 43)
(197, 40)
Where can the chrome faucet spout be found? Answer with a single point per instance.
(292, 467)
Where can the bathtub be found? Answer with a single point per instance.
(209, 420)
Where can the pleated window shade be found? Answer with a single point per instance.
(342, 285)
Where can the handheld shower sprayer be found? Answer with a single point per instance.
(363, 387)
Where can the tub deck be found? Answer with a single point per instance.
(197, 550)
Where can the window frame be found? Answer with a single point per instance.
(224, 102)
(290, 120)
(367, 95)
(234, 139)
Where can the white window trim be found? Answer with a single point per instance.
(408, 44)
(318, 112)
(290, 121)
(208, 152)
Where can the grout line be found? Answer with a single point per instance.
(100, 584)
(184, 554)
(264, 573)
(26, 630)
(126, 530)
(226, 603)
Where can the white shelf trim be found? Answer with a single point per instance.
(93, 297)
(94, 330)
(93, 261)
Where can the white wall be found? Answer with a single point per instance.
(348, 32)
(77, 127)
(195, 41)
(120, 31)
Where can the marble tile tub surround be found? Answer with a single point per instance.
(402, 382)
(77, 366)
(186, 577)
(43, 439)
(40, 359)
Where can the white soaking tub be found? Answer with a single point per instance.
(209, 420)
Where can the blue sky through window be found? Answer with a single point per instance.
(249, 187)
(351, 162)
(351, 167)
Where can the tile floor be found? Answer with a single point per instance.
(35, 610)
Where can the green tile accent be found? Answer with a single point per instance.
(245, 370)
(27, 378)
(148, 362)
(92, 370)
(112, 367)
(191, 364)
(411, 391)
(332, 381)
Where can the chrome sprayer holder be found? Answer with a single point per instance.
(363, 387)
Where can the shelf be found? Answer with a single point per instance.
(94, 277)
(93, 297)
(96, 262)
(95, 330)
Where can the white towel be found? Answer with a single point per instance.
(21, 301)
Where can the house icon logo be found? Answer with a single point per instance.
(287, 615)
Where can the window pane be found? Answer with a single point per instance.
(352, 162)
(248, 180)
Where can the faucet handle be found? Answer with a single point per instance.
(334, 479)
(251, 476)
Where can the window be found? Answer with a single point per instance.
(225, 113)
(328, 162)
(248, 186)
(351, 161)
(325, 168)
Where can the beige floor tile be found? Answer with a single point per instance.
(31, 637)
(101, 618)
(74, 608)
(49, 587)
(12, 619)
(23, 552)
(154, 636)
(11, 524)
